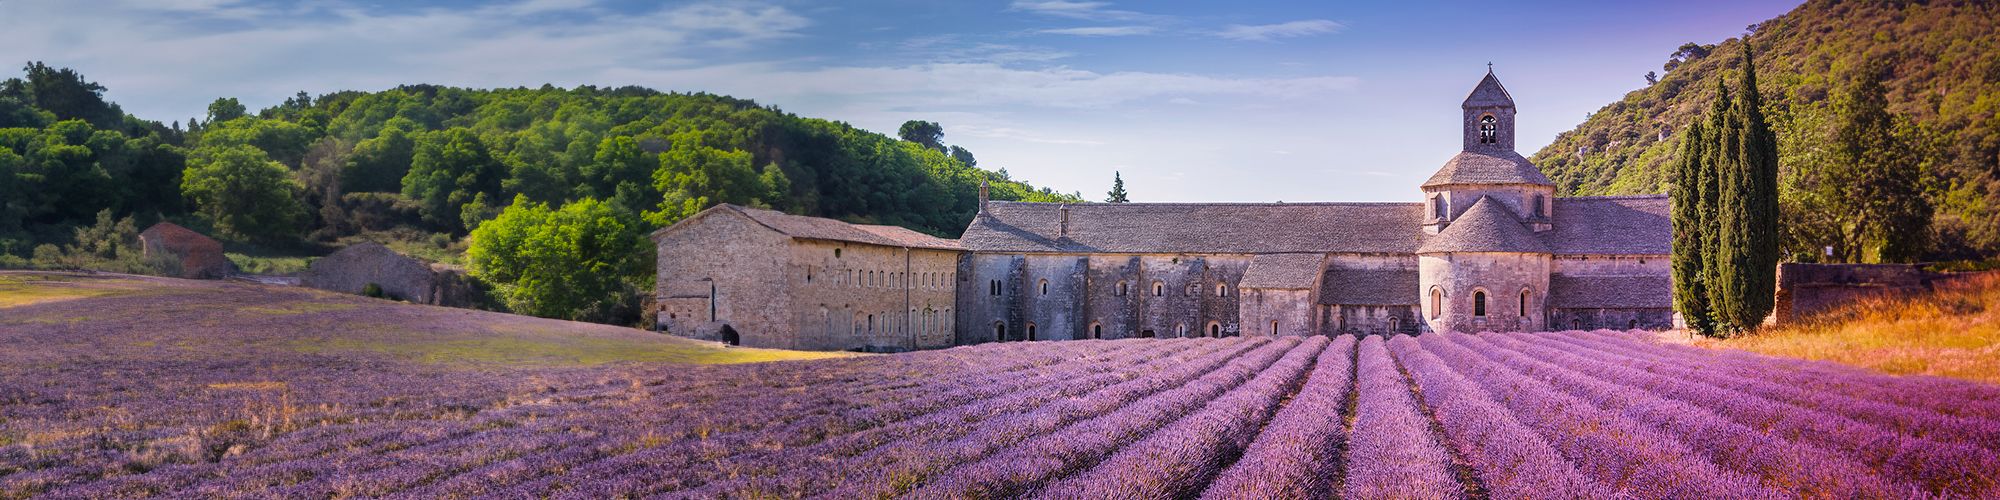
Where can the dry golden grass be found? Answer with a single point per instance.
(1953, 332)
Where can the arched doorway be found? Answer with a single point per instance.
(999, 332)
(729, 336)
(1031, 332)
(1214, 329)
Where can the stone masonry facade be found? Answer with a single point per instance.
(1488, 248)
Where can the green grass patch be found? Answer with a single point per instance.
(32, 288)
(271, 265)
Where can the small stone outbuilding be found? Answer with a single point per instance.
(401, 277)
(199, 257)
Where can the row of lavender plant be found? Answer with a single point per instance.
(1018, 469)
(1509, 459)
(1177, 460)
(1075, 377)
(1943, 395)
(1942, 468)
(1623, 454)
(1289, 457)
(421, 442)
(905, 450)
(1781, 465)
(1902, 419)
(1392, 452)
(809, 421)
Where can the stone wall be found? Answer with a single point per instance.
(1616, 319)
(352, 269)
(747, 265)
(1808, 289)
(1278, 311)
(856, 296)
(1459, 277)
(1007, 297)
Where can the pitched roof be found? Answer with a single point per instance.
(1611, 225)
(1486, 227)
(1611, 292)
(1489, 92)
(906, 237)
(1488, 167)
(818, 228)
(1370, 287)
(1248, 228)
(1283, 270)
(172, 236)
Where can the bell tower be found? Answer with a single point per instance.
(1489, 117)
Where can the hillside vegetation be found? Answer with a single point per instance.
(1938, 60)
(419, 167)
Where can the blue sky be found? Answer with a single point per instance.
(1192, 101)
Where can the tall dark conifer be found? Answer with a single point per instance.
(1691, 173)
(1716, 208)
(1754, 269)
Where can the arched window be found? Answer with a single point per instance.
(1395, 324)
(1437, 207)
(871, 323)
(836, 253)
(1045, 286)
(1214, 329)
(1180, 330)
(1031, 332)
(1096, 330)
(1222, 289)
(1479, 303)
(1489, 130)
(1121, 288)
(1437, 302)
(1632, 325)
(1274, 328)
(1524, 302)
(1159, 289)
(1576, 324)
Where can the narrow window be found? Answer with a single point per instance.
(1632, 325)
(1221, 290)
(1215, 329)
(1524, 303)
(1121, 289)
(1045, 287)
(1274, 328)
(1479, 303)
(1031, 332)
(1437, 302)
(1180, 330)
(1437, 207)
(1576, 324)
(1159, 289)
(1395, 324)
(993, 288)
(836, 253)
(1540, 210)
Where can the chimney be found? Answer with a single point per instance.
(982, 196)
(1065, 222)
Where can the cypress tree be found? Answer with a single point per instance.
(1720, 152)
(1690, 173)
(1756, 262)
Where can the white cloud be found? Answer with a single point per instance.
(966, 85)
(1078, 10)
(1102, 31)
(1020, 135)
(1264, 32)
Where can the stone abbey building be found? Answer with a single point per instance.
(1488, 248)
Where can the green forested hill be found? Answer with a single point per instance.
(1940, 63)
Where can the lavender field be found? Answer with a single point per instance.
(261, 393)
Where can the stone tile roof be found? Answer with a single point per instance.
(1626, 225)
(819, 228)
(1368, 287)
(1283, 270)
(1486, 227)
(1488, 167)
(1489, 92)
(1611, 292)
(1247, 228)
(906, 237)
